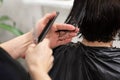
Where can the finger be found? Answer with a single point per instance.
(50, 67)
(44, 43)
(47, 17)
(67, 35)
(67, 41)
(29, 50)
(50, 52)
(64, 27)
(76, 30)
(64, 41)
(62, 33)
(51, 59)
(72, 34)
(51, 62)
(32, 45)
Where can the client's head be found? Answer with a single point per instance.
(98, 20)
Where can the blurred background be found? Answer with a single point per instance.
(24, 13)
(19, 16)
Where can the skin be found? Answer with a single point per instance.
(18, 46)
(39, 60)
(96, 43)
(39, 56)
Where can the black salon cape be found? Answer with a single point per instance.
(11, 69)
(79, 62)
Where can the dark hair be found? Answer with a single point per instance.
(98, 20)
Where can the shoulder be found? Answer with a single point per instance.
(65, 50)
(65, 47)
(64, 56)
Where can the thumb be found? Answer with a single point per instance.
(48, 17)
(30, 47)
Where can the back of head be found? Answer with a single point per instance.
(98, 20)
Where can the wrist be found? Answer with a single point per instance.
(17, 46)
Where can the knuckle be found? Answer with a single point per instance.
(47, 15)
(52, 58)
(50, 52)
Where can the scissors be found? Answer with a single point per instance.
(39, 38)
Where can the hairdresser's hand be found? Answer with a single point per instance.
(57, 38)
(39, 60)
(60, 38)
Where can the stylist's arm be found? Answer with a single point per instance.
(39, 60)
(39, 57)
(57, 38)
(17, 47)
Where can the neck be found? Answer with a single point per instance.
(97, 44)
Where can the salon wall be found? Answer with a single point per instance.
(20, 13)
(25, 15)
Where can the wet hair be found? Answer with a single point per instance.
(98, 20)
